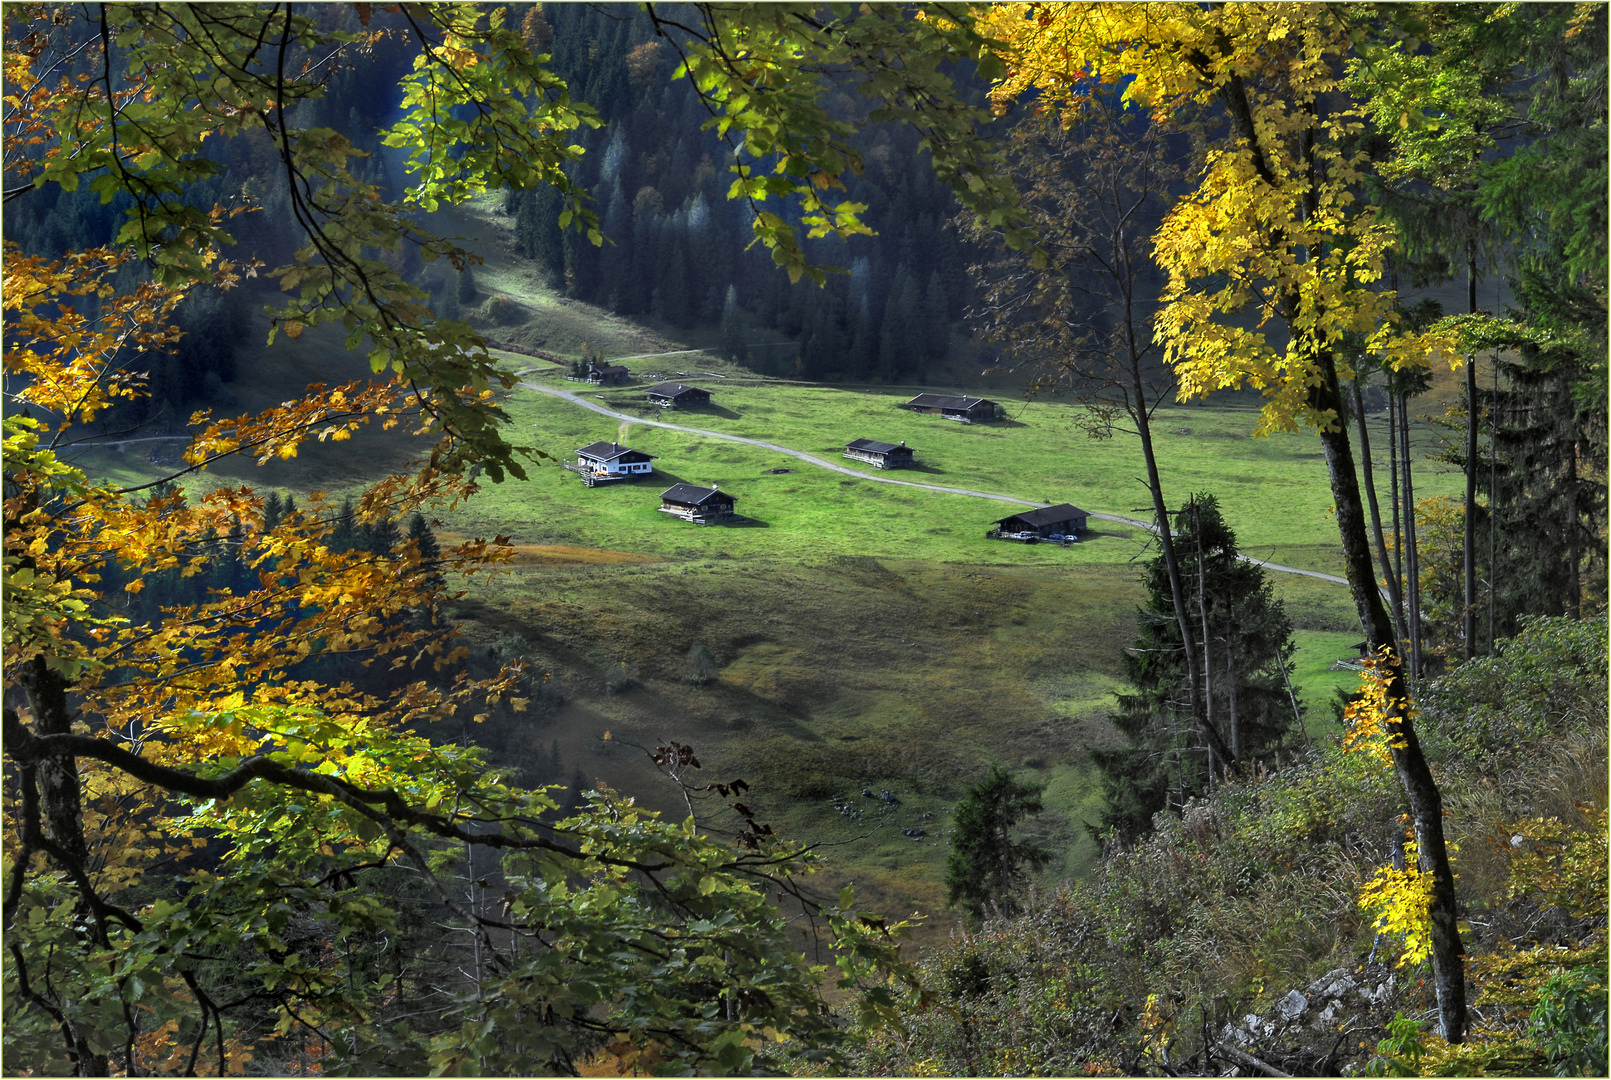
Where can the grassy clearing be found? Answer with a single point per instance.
(1273, 491)
(804, 511)
(837, 674)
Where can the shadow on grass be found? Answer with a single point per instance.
(663, 479)
(709, 410)
(739, 521)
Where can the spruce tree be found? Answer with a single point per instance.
(382, 536)
(1248, 650)
(466, 292)
(273, 511)
(344, 533)
(989, 863)
(732, 327)
(419, 532)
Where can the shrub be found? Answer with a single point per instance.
(700, 667)
(621, 678)
(1547, 680)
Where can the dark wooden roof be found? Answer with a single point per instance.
(612, 369)
(1050, 515)
(610, 451)
(675, 390)
(872, 446)
(947, 401)
(692, 495)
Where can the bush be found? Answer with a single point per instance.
(621, 678)
(1569, 1022)
(700, 667)
(1548, 680)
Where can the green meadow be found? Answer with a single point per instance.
(1272, 490)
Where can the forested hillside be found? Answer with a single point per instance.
(680, 249)
(346, 733)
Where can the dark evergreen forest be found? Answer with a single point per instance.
(679, 250)
(676, 250)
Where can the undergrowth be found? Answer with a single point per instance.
(1178, 955)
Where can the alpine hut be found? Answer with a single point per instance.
(966, 409)
(608, 374)
(1048, 523)
(670, 395)
(602, 462)
(883, 455)
(701, 505)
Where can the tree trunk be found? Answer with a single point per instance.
(1398, 529)
(1177, 590)
(61, 812)
(1574, 598)
(1230, 688)
(1409, 763)
(1368, 470)
(1208, 666)
(1412, 561)
(1493, 506)
(1469, 623)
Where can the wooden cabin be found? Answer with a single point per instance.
(702, 506)
(672, 395)
(608, 374)
(602, 462)
(883, 455)
(1047, 523)
(968, 410)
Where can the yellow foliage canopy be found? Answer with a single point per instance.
(1270, 260)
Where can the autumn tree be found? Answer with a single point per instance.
(209, 850)
(1095, 185)
(1272, 263)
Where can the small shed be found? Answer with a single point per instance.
(967, 409)
(604, 461)
(672, 395)
(701, 505)
(881, 454)
(608, 374)
(1043, 524)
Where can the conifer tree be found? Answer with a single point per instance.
(732, 328)
(273, 511)
(345, 535)
(1248, 648)
(381, 536)
(989, 862)
(466, 291)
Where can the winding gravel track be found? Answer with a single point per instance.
(801, 455)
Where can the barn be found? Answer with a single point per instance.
(672, 395)
(881, 454)
(700, 505)
(608, 374)
(604, 461)
(1043, 524)
(969, 410)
